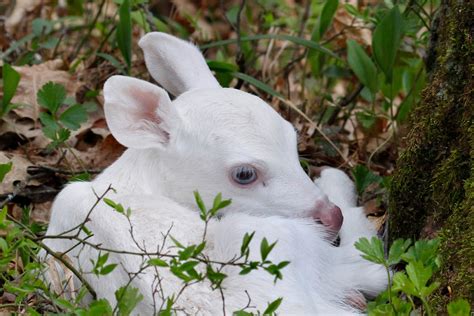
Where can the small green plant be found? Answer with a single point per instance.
(363, 178)
(57, 125)
(411, 285)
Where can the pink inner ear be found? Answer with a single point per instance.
(149, 103)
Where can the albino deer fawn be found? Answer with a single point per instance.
(215, 139)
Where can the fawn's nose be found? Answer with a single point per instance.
(328, 214)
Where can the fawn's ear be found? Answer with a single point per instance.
(177, 65)
(139, 114)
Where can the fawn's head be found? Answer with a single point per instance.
(210, 138)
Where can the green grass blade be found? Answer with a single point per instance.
(283, 37)
(257, 83)
(124, 33)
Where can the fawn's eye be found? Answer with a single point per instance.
(244, 174)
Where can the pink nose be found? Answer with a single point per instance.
(329, 215)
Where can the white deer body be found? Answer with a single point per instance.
(205, 140)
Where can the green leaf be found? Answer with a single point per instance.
(364, 177)
(187, 252)
(425, 251)
(402, 283)
(127, 298)
(459, 307)
(372, 250)
(296, 40)
(80, 177)
(386, 41)
(3, 245)
(329, 9)
(273, 306)
(139, 18)
(62, 135)
(73, 117)
(382, 310)
(214, 276)
(86, 230)
(427, 290)
(50, 128)
(200, 204)
(220, 66)
(3, 214)
(266, 248)
(419, 275)
(352, 10)
(169, 305)
(217, 200)
(397, 249)
(257, 83)
(246, 270)
(124, 32)
(116, 206)
(219, 204)
(366, 118)
(157, 262)
(30, 311)
(199, 249)
(107, 269)
(99, 307)
(4, 169)
(362, 65)
(188, 265)
(11, 79)
(246, 242)
(102, 259)
(51, 96)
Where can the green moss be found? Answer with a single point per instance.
(432, 188)
(457, 249)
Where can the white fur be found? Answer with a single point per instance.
(193, 143)
(177, 65)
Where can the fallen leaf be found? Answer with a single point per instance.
(18, 172)
(22, 7)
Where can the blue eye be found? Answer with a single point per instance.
(244, 174)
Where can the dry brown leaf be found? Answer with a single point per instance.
(33, 78)
(101, 155)
(18, 172)
(22, 7)
(348, 27)
(41, 212)
(378, 221)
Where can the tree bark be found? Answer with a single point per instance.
(432, 192)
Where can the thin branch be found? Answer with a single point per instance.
(37, 169)
(348, 99)
(67, 264)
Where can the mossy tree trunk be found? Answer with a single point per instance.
(432, 192)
